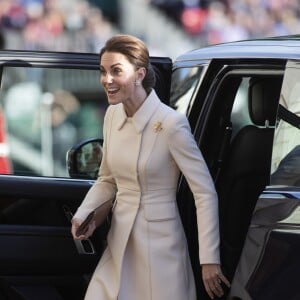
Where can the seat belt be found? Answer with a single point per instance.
(288, 116)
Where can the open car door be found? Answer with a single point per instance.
(269, 264)
(51, 101)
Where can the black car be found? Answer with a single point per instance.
(243, 103)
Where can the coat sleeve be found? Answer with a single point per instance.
(190, 161)
(105, 186)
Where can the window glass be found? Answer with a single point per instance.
(183, 86)
(240, 116)
(43, 113)
(229, 113)
(285, 169)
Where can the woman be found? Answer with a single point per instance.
(146, 145)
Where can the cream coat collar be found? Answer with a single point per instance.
(142, 115)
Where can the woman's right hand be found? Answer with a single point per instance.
(76, 223)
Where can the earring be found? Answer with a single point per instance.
(136, 82)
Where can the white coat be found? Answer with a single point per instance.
(147, 256)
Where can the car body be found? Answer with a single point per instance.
(242, 101)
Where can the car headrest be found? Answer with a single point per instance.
(263, 100)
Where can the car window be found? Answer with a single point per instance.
(240, 110)
(237, 107)
(43, 113)
(183, 86)
(285, 168)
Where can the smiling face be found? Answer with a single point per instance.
(118, 76)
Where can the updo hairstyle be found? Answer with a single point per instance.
(137, 54)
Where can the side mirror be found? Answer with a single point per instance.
(83, 160)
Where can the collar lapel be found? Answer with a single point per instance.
(142, 116)
(145, 112)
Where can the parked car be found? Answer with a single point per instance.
(242, 100)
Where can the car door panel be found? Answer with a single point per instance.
(270, 255)
(269, 263)
(49, 251)
(278, 272)
(35, 238)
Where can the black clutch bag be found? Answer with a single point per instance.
(99, 215)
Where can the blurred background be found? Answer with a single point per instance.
(169, 27)
(45, 111)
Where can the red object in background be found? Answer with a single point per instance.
(193, 19)
(5, 166)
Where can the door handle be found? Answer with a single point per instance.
(83, 246)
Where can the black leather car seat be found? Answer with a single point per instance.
(246, 170)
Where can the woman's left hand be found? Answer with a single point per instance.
(213, 277)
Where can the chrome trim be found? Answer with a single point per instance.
(85, 247)
(280, 194)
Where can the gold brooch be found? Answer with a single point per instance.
(157, 127)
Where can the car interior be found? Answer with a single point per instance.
(237, 146)
(246, 170)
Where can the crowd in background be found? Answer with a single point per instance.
(220, 21)
(83, 26)
(68, 25)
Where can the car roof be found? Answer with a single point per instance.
(61, 58)
(284, 47)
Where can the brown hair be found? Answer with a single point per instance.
(137, 54)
